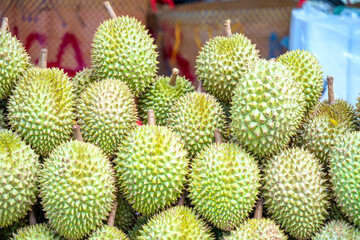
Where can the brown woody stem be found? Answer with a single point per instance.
(199, 88)
(330, 82)
(259, 209)
(77, 133)
(181, 201)
(174, 74)
(151, 118)
(5, 24)
(111, 220)
(228, 28)
(43, 58)
(110, 10)
(32, 219)
(218, 137)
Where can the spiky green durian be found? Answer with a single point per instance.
(307, 71)
(82, 80)
(2, 119)
(18, 169)
(106, 114)
(123, 49)
(267, 108)
(7, 232)
(222, 62)
(136, 230)
(337, 230)
(345, 174)
(125, 216)
(41, 109)
(161, 96)
(257, 229)
(154, 158)
(195, 116)
(77, 188)
(295, 192)
(107, 233)
(14, 62)
(358, 113)
(223, 184)
(324, 126)
(176, 223)
(36, 232)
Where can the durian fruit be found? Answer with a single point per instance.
(195, 116)
(307, 71)
(151, 165)
(257, 229)
(267, 108)
(82, 80)
(224, 183)
(36, 232)
(358, 113)
(125, 216)
(326, 124)
(223, 61)
(177, 223)
(14, 60)
(337, 230)
(41, 108)
(7, 232)
(19, 171)
(77, 188)
(345, 174)
(136, 230)
(106, 232)
(2, 119)
(106, 114)
(162, 95)
(123, 49)
(295, 192)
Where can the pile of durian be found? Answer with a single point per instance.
(75, 163)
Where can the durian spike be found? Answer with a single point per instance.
(218, 138)
(151, 118)
(330, 82)
(43, 58)
(32, 219)
(111, 220)
(5, 24)
(181, 201)
(228, 27)
(174, 74)
(110, 10)
(199, 88)
(77, 133)
(259, 209)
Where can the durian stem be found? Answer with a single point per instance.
(5, 24)
(151, 118)
(330, 82)
(110, 10)
(77, 133)
(174, 74)
(181, 201)
(259, 209)
(111, 220)
(228, 27)
(199, 88)
(218, 138)
(32, 218)
(43, 58)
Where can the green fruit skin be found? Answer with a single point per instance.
(345, 174)
(2, 119)
(337, 230)
(295, 192)
(224, 183)
(257, 229)
(77, 187)
(358, 113)
(194, 117)
(106, 232)
(41, 109)
(267, 108)
(154, 158)
(222, 62)
(13, 64)
(161, 96)
(82, 80)
(19, 172)
(174, 224)
(307, 71)
(106, 114)
(123, 49)
(36, 232)
(125, 217)
(135, 232)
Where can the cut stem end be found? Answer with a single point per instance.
(5, 24)
(110, 10)
(77, 133)
(174, 74)
(151, 118)
(228, 28)
(43, 58)
(330, 82)
(218, 138)
(111, 220)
